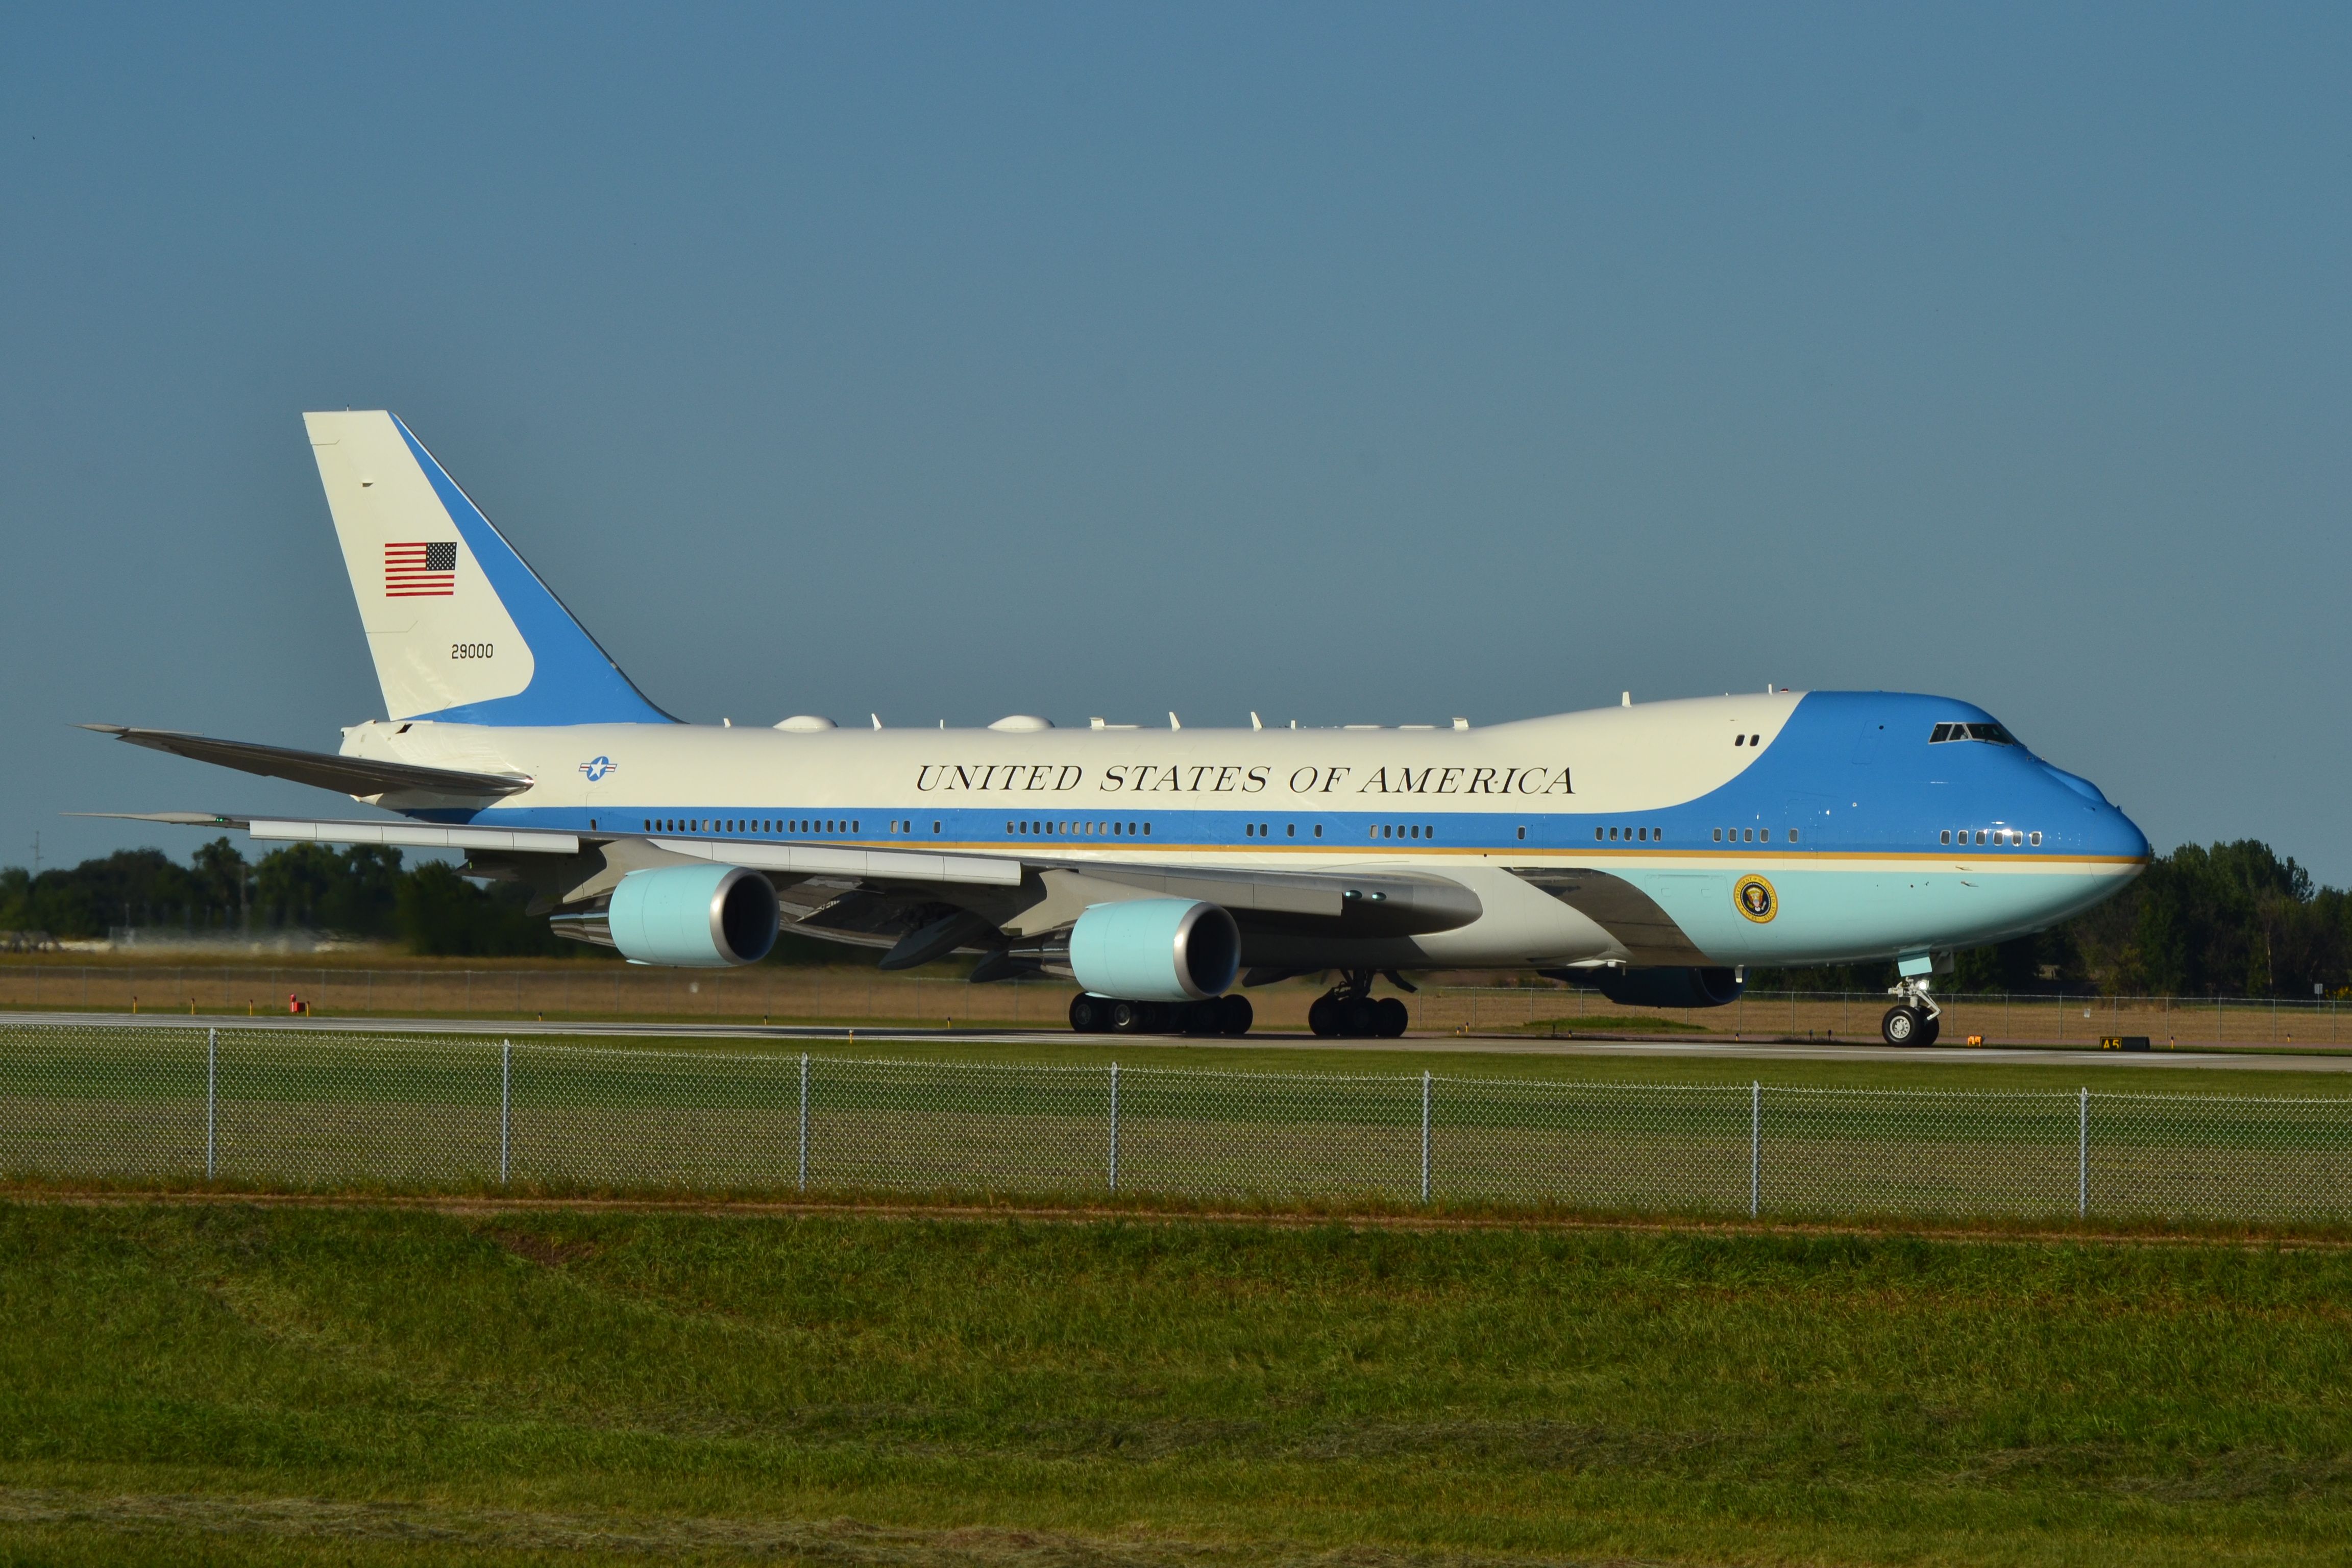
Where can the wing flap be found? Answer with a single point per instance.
(823, 860)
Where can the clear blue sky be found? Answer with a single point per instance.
(1348, 362)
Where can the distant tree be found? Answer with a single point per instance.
(441, 912)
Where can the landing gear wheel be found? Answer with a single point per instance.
(1129, 1018)
(1360, 1017)
(1929, 1030)
(1086, 1013)
(1234, 1015)
(1904, 1027)
(1392, 1017)
(1323, 1016)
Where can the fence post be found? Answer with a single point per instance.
(1424, 1137)
(1114, 1127)
(212, 1102)
(803, 1165)
(506, 1108)
(1755, 1148)
(2083, 1154)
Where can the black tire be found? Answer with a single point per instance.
(1323, 1017)
(1393, 1017)
(1195, 1017)
(1902, 1026)
(1234, 1015)
(1360, 1018)
(1129, 1018)
(1087, 1013)
(1929, 1030)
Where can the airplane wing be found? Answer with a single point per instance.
(347, 775)
(1649, 935)
(1383, 902)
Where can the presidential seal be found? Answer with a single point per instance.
(1756, 899)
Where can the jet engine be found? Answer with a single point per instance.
(1669, 987)
(685, 917)
(1155, 950)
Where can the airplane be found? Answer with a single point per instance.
(1652, 851)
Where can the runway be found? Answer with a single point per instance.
(1761, 1048)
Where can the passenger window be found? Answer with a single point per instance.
(2035, 839)
(1596, 835)
(1719, 835)
(1792, 836)
(1747, 835)
(1948, 836)
(1522, 833)
(1980, 837)
(1318, 830)
(1290, 830)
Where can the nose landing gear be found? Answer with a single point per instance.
(1349, 1011)
(1915, 1020)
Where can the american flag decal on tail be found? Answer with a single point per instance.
(420, 570)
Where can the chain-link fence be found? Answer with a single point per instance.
(274, 1108)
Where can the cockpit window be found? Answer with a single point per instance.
(1992, 734)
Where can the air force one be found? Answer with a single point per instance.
(1652, 852)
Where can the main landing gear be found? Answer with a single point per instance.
(1349, 1011)
(1915, 1020)
(1092, 1014)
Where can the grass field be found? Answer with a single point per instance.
(370, 1386)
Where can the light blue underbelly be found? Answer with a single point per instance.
(1821, 915)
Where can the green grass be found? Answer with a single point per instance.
(363, 1384)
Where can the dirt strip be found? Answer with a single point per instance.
(2329, 1238)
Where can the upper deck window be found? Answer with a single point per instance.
(1993, 733)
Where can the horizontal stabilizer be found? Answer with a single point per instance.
(350, 776)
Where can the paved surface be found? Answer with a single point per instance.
(1762, 1048)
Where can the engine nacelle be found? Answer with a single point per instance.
(1670, 987)
(693, 917)
(1156, 950)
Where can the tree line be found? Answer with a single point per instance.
(365, 892)
(2220, 920)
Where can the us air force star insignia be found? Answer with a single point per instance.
(597, 767)
(1756, 899)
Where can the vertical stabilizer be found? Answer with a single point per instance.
(462, 630)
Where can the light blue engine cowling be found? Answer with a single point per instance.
(693, 917)
(1156, 950)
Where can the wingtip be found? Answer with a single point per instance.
(106, 729)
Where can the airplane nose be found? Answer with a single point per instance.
(2106, 830)
(2119, 834)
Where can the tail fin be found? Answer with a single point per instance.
(461, 630)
